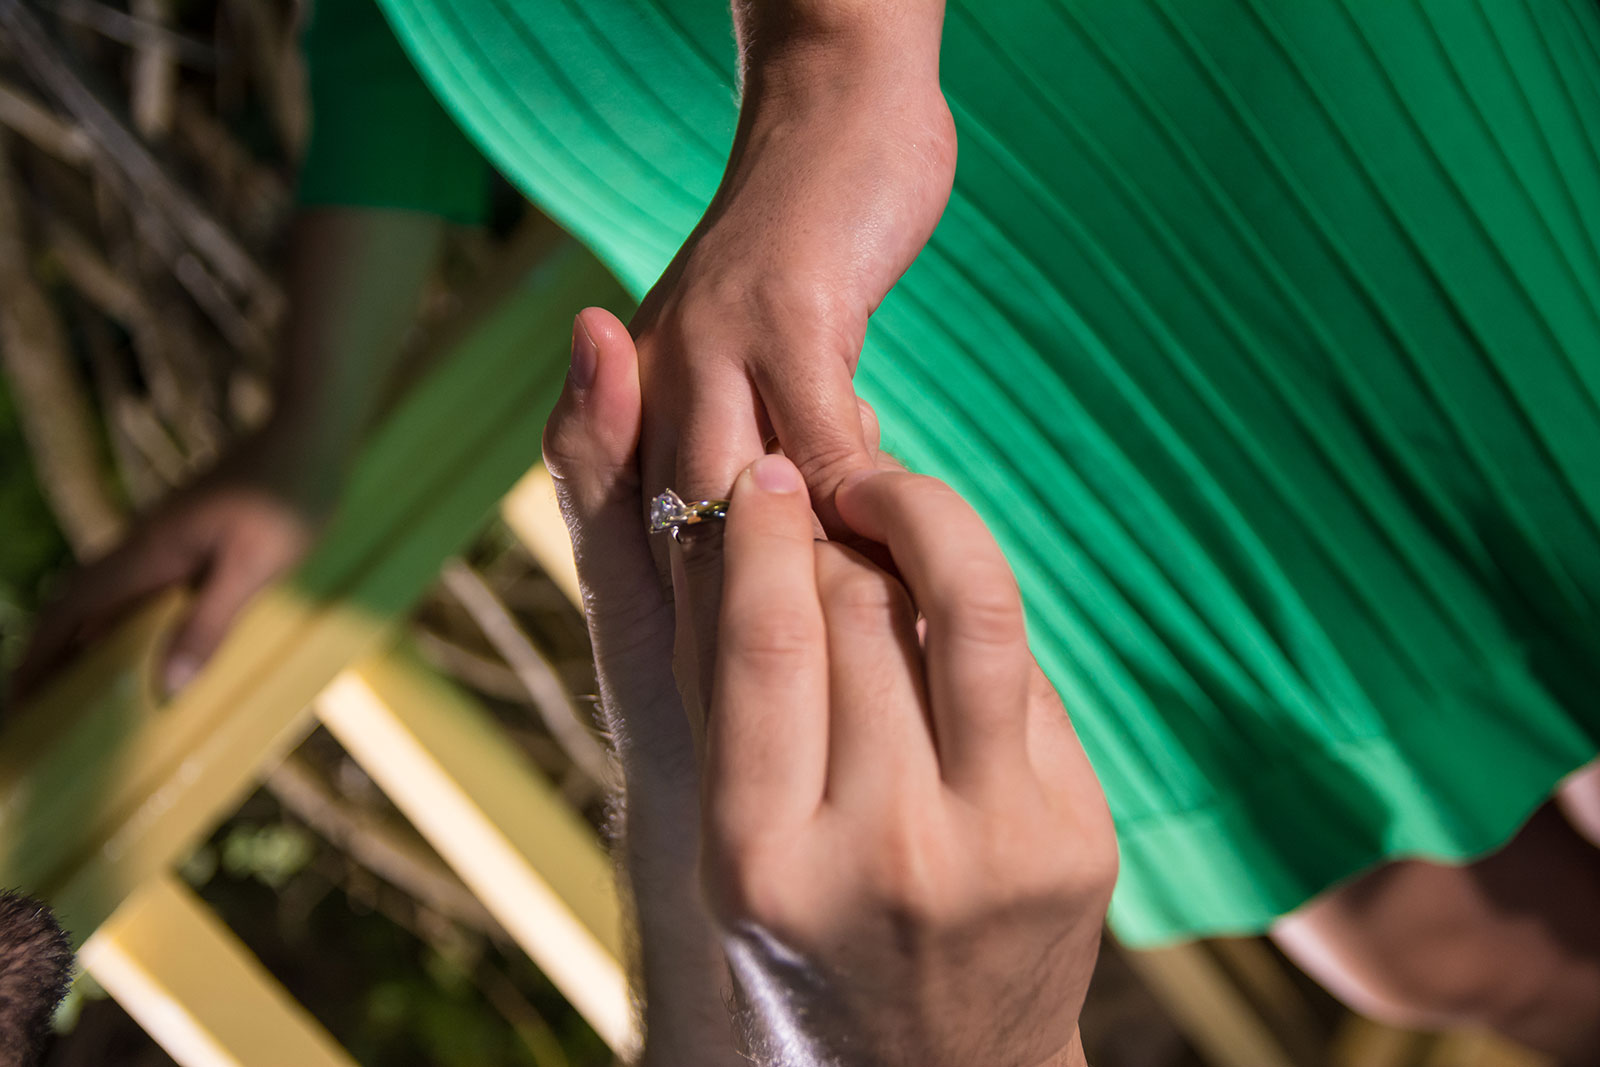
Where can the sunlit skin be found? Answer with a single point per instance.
(843, 162)
(906, 856)
(841, 166)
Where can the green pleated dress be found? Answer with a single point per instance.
(1266, 336)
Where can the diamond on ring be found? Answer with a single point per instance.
(669, 512)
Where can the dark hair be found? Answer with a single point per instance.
(35, 970)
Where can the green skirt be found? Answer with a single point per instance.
(1266, 336)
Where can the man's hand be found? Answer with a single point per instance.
(904, 845)
(590, 447)
(841, 166)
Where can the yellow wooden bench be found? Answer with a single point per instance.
(103, 790)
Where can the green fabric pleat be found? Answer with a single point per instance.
(1264, 335)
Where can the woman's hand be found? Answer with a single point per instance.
(904, 845)
(841, 166)
(354, 276)
(225, 537)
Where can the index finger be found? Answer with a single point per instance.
(767, 731)
(976, 650)
(817, 417)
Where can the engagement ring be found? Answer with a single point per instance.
(669, 512)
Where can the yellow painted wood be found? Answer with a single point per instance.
(509, 834)
(1477, 1049)
(184, 977)
(101, 788)
(1210, 1010)
(1363, 1043)
(1267, 982)
(533, 515)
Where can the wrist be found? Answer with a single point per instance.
(820, 85)
(800, 46)
(843, 121)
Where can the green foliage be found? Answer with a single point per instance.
(32, 549)
(270, 854)
(350, 949)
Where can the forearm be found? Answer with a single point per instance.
(858, 59)
(841, 165)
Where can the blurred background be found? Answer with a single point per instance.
(148, 158)
(130, 365)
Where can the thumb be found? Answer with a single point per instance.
(591, 449)
(235, 575)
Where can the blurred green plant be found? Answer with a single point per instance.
(270, 854)
(32, 549)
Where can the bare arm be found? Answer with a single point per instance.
(841, 166)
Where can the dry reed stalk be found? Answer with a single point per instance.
(153, 75)
(394, 854)
(550, 697)
(30, 119)
(200, 252)
(52, 404)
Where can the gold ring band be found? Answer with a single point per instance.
(669, 512)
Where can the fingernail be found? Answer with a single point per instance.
(585, 356)
(180, 671)
(775, 474)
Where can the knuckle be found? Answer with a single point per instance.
(1099, 866)
(1077, 865)
(710, 327)
(1081, 872)
(807, 306)
(742, 885)
(979, 604)
(859, 597)
(825, 459)
(925, 492)
(561, 446)
(906, 874)
(775, 638)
